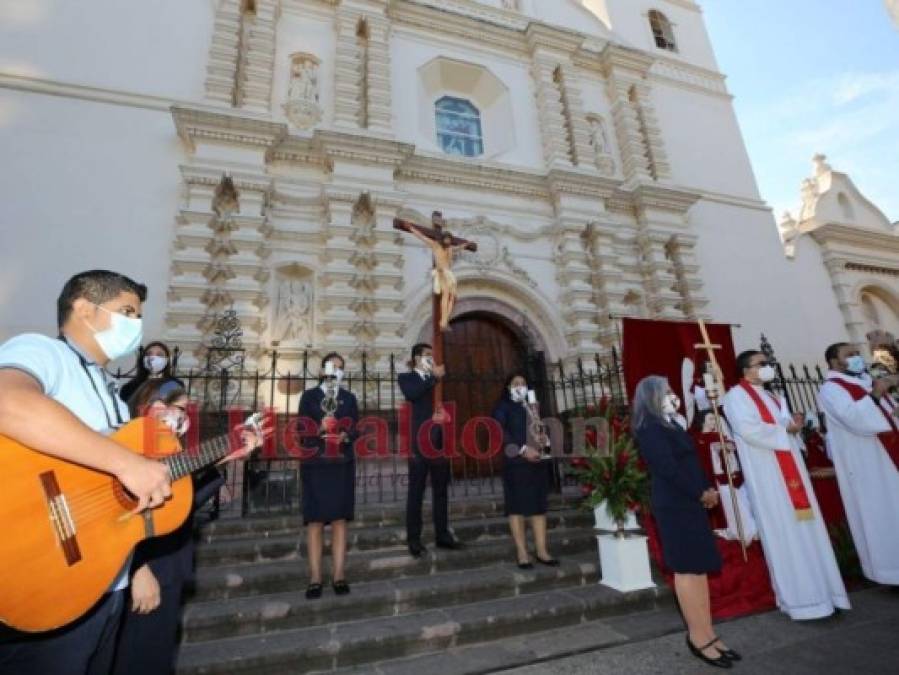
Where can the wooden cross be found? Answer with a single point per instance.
(436, 234)
(716, 379)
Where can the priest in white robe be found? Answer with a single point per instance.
(798, 551)
(861, 434)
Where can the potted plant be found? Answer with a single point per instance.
(614, 482)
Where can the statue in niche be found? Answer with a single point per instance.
(602, 149)
(302, 107)
(292, 312)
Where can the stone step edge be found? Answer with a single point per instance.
(432, 631)
(576, 570)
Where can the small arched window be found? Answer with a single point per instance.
(459, 127)
(662, 31)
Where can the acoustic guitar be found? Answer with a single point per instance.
(68, 530)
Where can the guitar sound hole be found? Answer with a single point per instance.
(123, 496)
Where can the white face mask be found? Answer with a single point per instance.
(518, 393)
(155, 364)
(767, 373)
(176, 421)
(426, 363)
(123, 335)
(333, 372)
(670, 404)
(855, 364)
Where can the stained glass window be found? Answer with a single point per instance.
(459, 127)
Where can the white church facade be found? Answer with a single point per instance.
(589, 147)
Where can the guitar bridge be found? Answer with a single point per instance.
(61, 518)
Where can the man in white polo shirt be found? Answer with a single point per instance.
(56, 398)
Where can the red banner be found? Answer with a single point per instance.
(661, 347)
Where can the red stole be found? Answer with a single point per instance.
(788, 469)
(888, 439)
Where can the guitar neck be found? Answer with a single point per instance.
(210, 451)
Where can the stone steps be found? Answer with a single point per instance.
(388, 597)
(229, 581)
(366, 641)
(248, 612)
(287, 544)
(540, 647)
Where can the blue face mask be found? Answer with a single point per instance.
(855, 364)
(122, 337)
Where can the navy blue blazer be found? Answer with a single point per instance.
(677, 479)
(418, 391)
(347, 408)
(513, 419)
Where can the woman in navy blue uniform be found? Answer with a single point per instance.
(680, 496)
(148, 638)
(328, 474)
(526, 476)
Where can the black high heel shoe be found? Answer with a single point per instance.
(721, 662)
(729, 653)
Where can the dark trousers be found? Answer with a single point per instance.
(148, 643)
(83, 648)
(439, 470)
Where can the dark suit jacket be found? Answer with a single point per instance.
(513, 419)
(418, 391)
(677, 479)
(347, 411)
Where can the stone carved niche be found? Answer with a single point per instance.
(599, 140)
(302, 107)
(292, 322)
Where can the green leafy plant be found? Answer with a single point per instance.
(611, 471)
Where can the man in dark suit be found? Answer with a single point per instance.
(417, 386)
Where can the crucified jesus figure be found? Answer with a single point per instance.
(443, 245)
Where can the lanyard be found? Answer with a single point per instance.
(110, 389)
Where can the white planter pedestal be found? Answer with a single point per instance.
(624, 562)
(606, 524)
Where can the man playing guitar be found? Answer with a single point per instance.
(56, 398)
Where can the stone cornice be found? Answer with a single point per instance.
(872, 269)
(448, 171)
(542, 36)
(617, 57)
(366, 149)
(220, 126)
(444, 21)
(652, 195)
(873, 240)
(581, 183)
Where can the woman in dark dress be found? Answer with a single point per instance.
(526, 475)
(328, 473)
(148, 638)
(153, 363)
(680, 496)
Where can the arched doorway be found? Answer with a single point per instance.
(481, 350)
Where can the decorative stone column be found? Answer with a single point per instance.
(224, 53)
(849, 306)
(377, 80)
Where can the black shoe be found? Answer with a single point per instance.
(341, 587)
(551, 562)
(416, 550)
(729, 653)
(526, 565)
(313, 591)
(450, 544)
(720, 662)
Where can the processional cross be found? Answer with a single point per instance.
(714, 385)
(442, 244)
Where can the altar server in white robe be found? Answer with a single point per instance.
(864, 446)
(798, 551)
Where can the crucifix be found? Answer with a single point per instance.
(714, 386)
(442, 244)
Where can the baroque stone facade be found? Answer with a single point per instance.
(610, 236)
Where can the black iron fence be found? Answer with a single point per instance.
(272, 483)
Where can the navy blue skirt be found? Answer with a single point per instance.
(526, 488)
(688, 543)
(329, 491)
